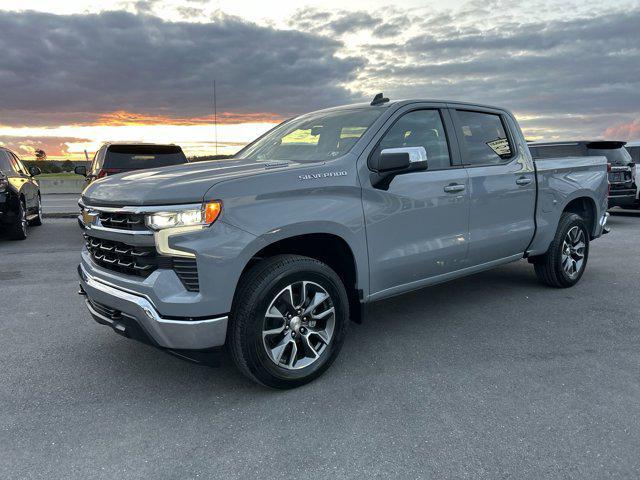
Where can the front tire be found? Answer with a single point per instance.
(36, 222)
(564, 263)
(288, 321)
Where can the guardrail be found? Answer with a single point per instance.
(61, 185)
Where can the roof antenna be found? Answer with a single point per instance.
(379, 99)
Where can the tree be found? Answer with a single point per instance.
(40, 154)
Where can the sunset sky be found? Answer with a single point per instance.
(75, 74)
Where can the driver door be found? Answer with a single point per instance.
(418, 228)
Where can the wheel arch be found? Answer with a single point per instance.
(329, 248)
(584, 206)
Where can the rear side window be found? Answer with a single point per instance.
(420, 128)
(137, 157)
(615, 156)
(483, 138)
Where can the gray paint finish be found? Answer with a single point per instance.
(412, 234)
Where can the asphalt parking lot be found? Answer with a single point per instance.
(492, 376)
(60, 204)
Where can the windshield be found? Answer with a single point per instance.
(315, 137)
(615, 156)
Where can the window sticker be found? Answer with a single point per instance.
(501, 147)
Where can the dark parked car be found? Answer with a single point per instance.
(20, 203)
(114, 158)
(622, 192)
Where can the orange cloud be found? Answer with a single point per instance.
(624, 131)
(57, 148)
(124, 118)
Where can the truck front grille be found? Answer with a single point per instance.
(124, 258)
(141, 261)
(122, 221)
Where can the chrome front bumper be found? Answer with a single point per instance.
(170, 333)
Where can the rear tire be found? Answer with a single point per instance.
(276, 336)
(565, 261)
(18, 226)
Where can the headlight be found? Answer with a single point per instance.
(205, 215)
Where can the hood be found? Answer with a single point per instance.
(186, 183)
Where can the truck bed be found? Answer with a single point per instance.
(561, 180)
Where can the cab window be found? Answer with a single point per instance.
(483, 138)
(420, 128)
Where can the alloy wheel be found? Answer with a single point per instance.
(298, 325)
(573, 251)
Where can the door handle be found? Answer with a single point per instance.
(454, 188)
(522, 181)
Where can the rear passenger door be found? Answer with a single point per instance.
(417, 228)
(502, 184)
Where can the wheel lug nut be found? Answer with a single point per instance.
(303, 330)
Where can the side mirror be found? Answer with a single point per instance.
(33, 171)
(396, 161)
(80, 170)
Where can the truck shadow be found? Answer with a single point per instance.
(390, 325)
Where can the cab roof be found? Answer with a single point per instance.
(594, 144)
(402, 102)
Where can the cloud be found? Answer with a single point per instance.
(565, 72)
(342, 22)
(56, 147)
(624, 131)
(585, 68)
(73, 65)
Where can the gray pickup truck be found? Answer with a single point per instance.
(273, 252)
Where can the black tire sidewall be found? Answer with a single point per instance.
(17, 230)
(258, 361)
(38, 220)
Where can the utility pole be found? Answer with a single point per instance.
(215, 118)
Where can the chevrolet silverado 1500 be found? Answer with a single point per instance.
(272, 253)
